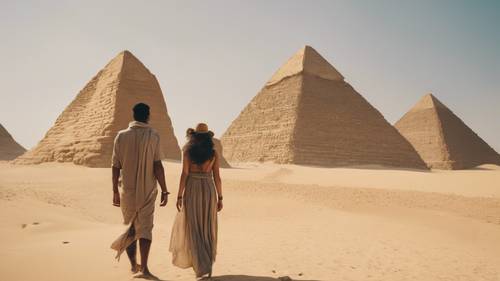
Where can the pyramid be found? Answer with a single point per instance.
(218, 147)
(85, 130)
(442, 139)
(307, 114)
(9, 148)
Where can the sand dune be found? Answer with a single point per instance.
(279, 220)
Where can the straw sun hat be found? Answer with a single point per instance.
(201, 128)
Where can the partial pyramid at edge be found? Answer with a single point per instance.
(85, 130)
(307, 114)
(442, 139)
(222, 160)
(9, 148)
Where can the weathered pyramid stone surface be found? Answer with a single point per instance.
(307, 114)
(9, 148)
(442, 139)
(218, 147)
(85, 130)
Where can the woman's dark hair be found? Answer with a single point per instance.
(200, 146)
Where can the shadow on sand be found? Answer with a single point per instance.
(481, 168)
(250, 278)
(144, 277)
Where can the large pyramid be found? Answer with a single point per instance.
(85, 130)
(307, 114)
(442, 139)
(9, 148)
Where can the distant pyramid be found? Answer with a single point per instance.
(218, 147)
(307, 114)
(442, 139)
(9, 148)
(85, 130)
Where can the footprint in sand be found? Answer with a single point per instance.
(24, 225)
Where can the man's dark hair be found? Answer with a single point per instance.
(141, 112)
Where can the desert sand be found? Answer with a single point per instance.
(368, 223)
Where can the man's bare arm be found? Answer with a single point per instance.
(160, 177)
(116, 194)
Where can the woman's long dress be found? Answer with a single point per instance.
(194, 235)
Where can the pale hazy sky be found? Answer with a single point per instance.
(212, 57)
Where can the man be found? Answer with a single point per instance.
(136, 154)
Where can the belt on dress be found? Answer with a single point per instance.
(200, 175)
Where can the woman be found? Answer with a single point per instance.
(194, 235)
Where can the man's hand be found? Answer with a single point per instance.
(116, 199)
(219, 205)
(164, 199)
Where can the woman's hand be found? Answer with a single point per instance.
(179, 203)
(219, 205)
